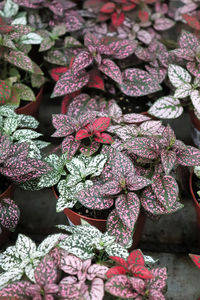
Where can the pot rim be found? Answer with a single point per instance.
(77, 214)
(191, 189)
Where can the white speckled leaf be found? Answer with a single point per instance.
(166, 107)
(25, 246)
(195, 97)
(178, 75)
(183, 91)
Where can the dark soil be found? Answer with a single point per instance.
(4, 183)
(93, 213)
(196, 187)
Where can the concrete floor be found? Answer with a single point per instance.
(170, 239)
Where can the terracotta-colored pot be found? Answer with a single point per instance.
(75, 219)
(32, 108)
(195, 130)
(196, 204)
(8, 193)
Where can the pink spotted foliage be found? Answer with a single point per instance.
(96, 54)
(121, 186)
(165, 153)
(124, 286)
(9, 213)
(189, 50)
(16, 164)
(196, 259)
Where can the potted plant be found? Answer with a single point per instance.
(19, 73)
(88, 276)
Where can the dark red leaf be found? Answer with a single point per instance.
(82, 134)
(128, 7)
(56, 73)
(108, 8)
(101, 124)
(141, 272)
(104, 138)
(192, 21)
(117, 19)
(117, 270)
(121, 261)
(143, 15)
(136, 257)
(95, 80)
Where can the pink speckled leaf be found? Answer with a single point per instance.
(160, 281)
(9, 214)
(122, 48)
(163, 24)
(20, 60)
(70, 146)
(138, 285)
(96, 270)
(109, 68)
(166, 190)
(169, 137)
(46, 272)
(168, 159)
(193, 67)
(69, 290)
(196, 259)
(59, 7)
(156, 295)
(29, 4)
(185, 53)
(81, 61)
(158, 73)
(150, 203)
(93, 199)
(78, 105)
(117, 228)
(188, 40)
(15, 291)
(128, 208)
(63, 125)
(120, 286)
(91, 149)
(135, 183)
(135, 118)
(137, 83)
(91, 40)
(144, 147)
(71, 264)
(73, 21)
(70, 82)
(190, 156)
(111, 188)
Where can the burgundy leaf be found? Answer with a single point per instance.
(108, 8)
(128, 208)
(82, 134)
(109, 68)
(56, 73)
(95, 80)
(101, 124)
(141, 272)
(136, 257)
(117, 19)
(70, 82)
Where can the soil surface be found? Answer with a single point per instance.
(4, 183)
(196, 187)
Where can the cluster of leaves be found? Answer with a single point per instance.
(71, 176)
(86, 241)
(52, 272)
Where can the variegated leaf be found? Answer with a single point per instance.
(117, 228)
(120, 286)
(70, 146)
(167, 107)
(135, 118)
(15, 290)
(166, 190)
(188, 40)
(178, 75)
(96, 270)
(122, 48)
(92, 198)
(183, 91)
(63, 125)
(25, 246)
(137, 83)
(195, 97)
(186, 53)
(47, 244)
(46, 272)
(144, 146)
(81, 61)
(159, 282)
(163, 24)
(70, 264)
(116, 249)
(196, 259)
(109, 68)
(70, 82)
(188, 156)
(128, 208)
(168, 159)
(151, 128)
